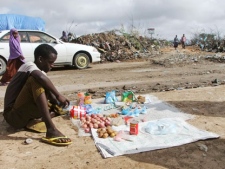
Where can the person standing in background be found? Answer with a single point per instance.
(64, 37)
(70, 37)
(175, 42)
(16, 58)
(183, 40)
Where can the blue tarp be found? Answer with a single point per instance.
(9, 21)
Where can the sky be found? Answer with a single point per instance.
(167, 17)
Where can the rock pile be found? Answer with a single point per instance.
(116, 46)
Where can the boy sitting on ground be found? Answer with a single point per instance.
(28, 94)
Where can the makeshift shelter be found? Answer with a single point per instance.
(9, 21)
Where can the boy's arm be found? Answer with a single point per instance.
(48, 85)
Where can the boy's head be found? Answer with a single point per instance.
(44, 57)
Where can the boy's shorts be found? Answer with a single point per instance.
(25, 108)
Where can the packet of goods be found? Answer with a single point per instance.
(110, 97)
(128, 96)
(87, 98)
(77, 112)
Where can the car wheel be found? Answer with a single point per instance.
(2, 66)
(81, 61)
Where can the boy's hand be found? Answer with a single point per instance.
(63, 101)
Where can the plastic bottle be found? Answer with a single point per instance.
(87, 98)
(80, 98)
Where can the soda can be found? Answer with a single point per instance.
(134, 127)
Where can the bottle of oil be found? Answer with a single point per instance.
(80, 100)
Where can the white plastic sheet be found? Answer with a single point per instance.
(145, 141)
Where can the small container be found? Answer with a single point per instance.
(87, 99)
(134, 127)
(80, 98)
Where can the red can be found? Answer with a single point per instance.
(134, 127)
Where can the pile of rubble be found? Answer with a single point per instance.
(117, 46)
(209, 42)
(191, 55)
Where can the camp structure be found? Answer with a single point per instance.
(9, 21)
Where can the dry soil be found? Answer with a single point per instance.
(180, 77)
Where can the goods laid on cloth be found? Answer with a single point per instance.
(9, 21)
(146, 124)
(154, 109)
(153, 135)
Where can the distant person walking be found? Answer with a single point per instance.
(64, 37)
(16, 58)
(175, 42)
(183, 40)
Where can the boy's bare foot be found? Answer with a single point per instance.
(55, 133)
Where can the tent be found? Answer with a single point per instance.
(9, 21)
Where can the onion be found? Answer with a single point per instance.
(108, 118)
(95, 125)
(101, 125)
(83, 121)
(84, 126)
(107, 123)
(93, 116)
(88, 118)
(93, 120)
(87, 130)
(91, 125)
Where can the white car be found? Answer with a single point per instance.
(69, 54)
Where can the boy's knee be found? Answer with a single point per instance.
(35, 87)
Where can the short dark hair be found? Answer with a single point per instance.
(44, 50)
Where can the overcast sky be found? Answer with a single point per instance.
(168, 17)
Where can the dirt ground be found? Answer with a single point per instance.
(182, 78)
